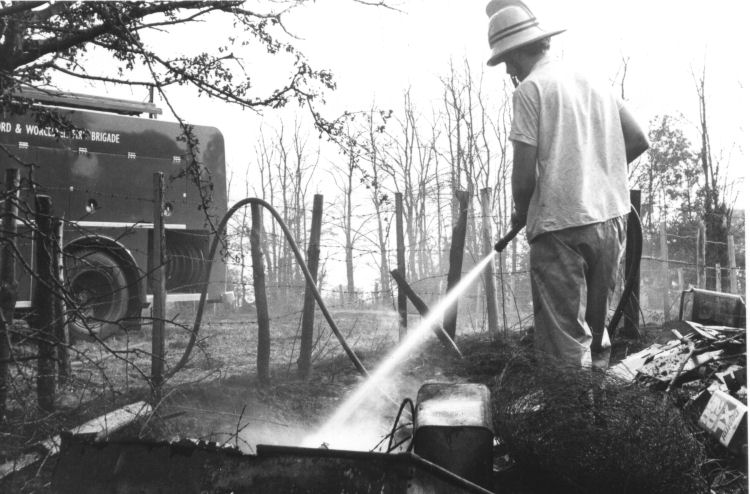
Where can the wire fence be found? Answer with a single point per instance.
(665, 272)
(671, 262)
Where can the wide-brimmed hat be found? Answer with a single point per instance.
(512, 25)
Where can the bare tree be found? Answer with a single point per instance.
(717, 213)
(375, 122)
(353, 229)
(293, 170)
(400, 151)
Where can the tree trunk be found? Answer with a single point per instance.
(489, 272)
(261, 303)
(304, 364)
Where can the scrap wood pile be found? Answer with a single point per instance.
(704, 369)
(650, 424)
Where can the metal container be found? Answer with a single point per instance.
(713, 308)
(453, 429)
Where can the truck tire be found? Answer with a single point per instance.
(97, 283)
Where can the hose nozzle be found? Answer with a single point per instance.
(503, 242)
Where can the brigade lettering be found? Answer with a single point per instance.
(77, 134)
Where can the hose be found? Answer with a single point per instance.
(300, 260)
(396, 427)
(635, 248)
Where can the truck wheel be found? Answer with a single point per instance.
(98, 285)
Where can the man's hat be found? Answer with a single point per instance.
(512, 25)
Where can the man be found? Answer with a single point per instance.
(572, 139)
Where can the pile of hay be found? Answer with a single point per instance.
(588, 433)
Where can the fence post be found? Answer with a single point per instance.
(42, 320)
(400, 265)
(733, 285)
(304, 363)
(456, 259)
(158, 288)
(501, 269)
(665, 267)
(8, 285)
(423, 310)
(514, 273)
(261, 302)
(700, 259)
(718, 277)
(61, 329)
(632, 306)
(489, 272)
(680, 279)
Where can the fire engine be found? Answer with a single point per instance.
(95, 157)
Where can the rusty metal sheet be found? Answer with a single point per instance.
(86, 466)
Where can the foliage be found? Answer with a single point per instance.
(677, 190)
(669, 177)
(42, 42)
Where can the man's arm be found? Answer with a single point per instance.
(523, 179)
(635, 140)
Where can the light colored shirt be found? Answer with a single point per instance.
(581, 171)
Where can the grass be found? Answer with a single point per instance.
(217, 397)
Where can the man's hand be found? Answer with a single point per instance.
(517, 219)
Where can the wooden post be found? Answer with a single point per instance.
(304, 363)
(718, 277)
(8, 285)
(700, 261)
(733, 284)
(42, 320)
(664, 267)
(456, 259)
(489, 272)
(502, 292)
(631, 312)
(158, 289)
(261, 302)
(514, 270)
(423, 310)
(61, 329)
(400, 264)
(680, 279)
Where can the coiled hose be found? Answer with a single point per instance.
(300, 260)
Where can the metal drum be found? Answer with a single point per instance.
(453, 429)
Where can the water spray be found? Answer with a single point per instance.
(412, 340)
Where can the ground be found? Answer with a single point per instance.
(218, 397)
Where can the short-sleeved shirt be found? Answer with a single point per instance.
(581, 174)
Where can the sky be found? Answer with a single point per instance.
(376, 53)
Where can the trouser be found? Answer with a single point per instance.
(573, 275)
